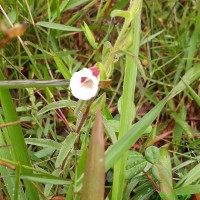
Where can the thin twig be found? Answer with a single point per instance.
(152, 181)
(85, 115)
(10, 124)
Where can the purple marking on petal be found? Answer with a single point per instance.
(83, 79)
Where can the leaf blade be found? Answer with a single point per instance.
(93, 181)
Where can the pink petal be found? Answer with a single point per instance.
(95, 71)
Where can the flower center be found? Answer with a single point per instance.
(83, 79)
(86, 82)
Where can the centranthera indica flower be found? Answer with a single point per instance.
(84, 83)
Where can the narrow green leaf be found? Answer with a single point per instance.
(7, 174)
(183, 124)
(151, 37)
(163, 171)
(62, 67)
(75, 3)
(79, 172)
(94, 177)
(57, 26)
(191, 177)
(57, 105)
(194, 95)
(166, 192)
(48, 179)
(44, 152)
(70, 193)
(144, 190)
(89, 35)
(15, 134)
(66, 147)
(48, 187)
(129, 188)
(130, 33)
(43, 142)
(190, 189)
(17, 182)
(165, 159)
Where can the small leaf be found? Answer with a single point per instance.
(110, 130)
(89, 35)
(152, 154)
(135, 164)
(62, 67)
(94, 178)
(106, 53)
(121, 13)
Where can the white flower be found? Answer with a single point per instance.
(84, 83)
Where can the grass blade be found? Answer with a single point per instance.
(128, 108)
(194, 95)
(190, 189)
(164, 172)
(61, 67)
(49, 179)
(57, 105)
(57, 26)
(67, 146)
(19, 150)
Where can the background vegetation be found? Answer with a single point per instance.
(148, 54)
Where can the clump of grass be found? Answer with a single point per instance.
(145, 116)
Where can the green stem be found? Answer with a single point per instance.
(16, 84)
(127, 114)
